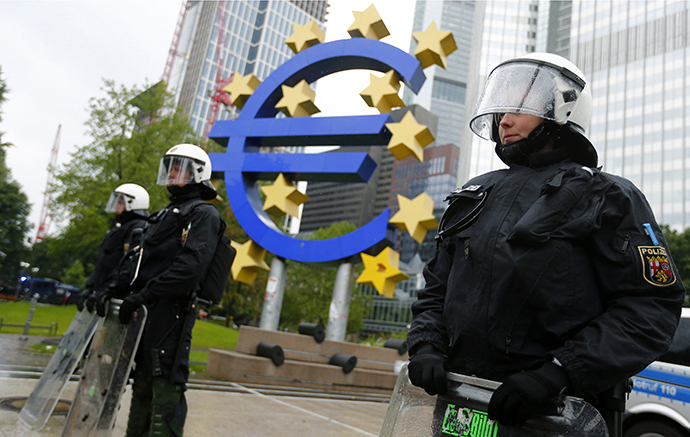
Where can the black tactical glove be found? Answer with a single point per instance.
(427, 369)
(129, 306)
(97, 301)
(81, 299)
(527, 393)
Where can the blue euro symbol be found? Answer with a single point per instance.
(257, 126)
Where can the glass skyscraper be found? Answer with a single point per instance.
(636, 56)
(252, 34)
(502, 30)
(444, 91)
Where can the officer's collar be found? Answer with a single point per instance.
(180, 198)
(542, 159)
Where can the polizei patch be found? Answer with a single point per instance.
(656, 267)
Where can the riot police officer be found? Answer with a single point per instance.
(178, 245)
(551, 275)
(130, 204)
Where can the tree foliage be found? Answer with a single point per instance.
(130, 129)
(14, 212)
(309, 290)
(679, 246)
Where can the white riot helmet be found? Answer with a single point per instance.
(544, 85)
(129, 197)
(186, 164)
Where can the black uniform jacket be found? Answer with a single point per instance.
(557, 264)
(178, 250)
(111, 251)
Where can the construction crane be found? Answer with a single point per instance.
(218, 96)
(45, 214)
(174, 46)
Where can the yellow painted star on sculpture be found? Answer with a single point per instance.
(297, 101)
(382, 271)
(305, 36)
(368, 24)
(409, 138)
(248, 261)
(382, 92)
(433, 46)
(241, 88)
(283, 197)
(415, 216)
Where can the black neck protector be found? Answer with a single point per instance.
(518, 152)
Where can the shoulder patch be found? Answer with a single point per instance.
(656, 266)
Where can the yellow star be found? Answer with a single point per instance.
(409, 138)
(241, 88)
(297, 101)
(368, 24)
(248, 261)
(283, 197)
(305, 36)
(382, 271)
(415, 216)
(382, 92)
(433, 46)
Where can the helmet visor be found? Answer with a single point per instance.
(521, 87)
(176, 170)
(118, 203)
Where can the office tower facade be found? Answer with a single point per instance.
(637, 57)
(444, 92)
(436, 176)
(502, 30)
(247, 36)
(359, 203)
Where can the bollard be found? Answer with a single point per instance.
(313, 329)
(397, 343)
(346, 361)
(272, 351)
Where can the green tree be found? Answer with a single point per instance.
(14, 211)
(130, 129)
(679, 246)
(309, 290)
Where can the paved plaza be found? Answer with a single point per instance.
(211, 413)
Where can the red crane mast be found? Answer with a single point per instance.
(172, 53)
(219, 96)
(45, 214)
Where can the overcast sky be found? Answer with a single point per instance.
(54, 55)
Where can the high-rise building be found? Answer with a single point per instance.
(636, 56)
(444, 92)
(248, 36)
(436, 176)
(359, 203)
(503, 29)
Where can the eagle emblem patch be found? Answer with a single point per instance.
(656, 266)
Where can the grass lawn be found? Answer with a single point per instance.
(205, 335)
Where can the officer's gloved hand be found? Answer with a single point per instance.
(97, 301)
(527, 393)
(80, 300)
(427, 369)
(129, 306)
(90, 301)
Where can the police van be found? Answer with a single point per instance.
(659, 405)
